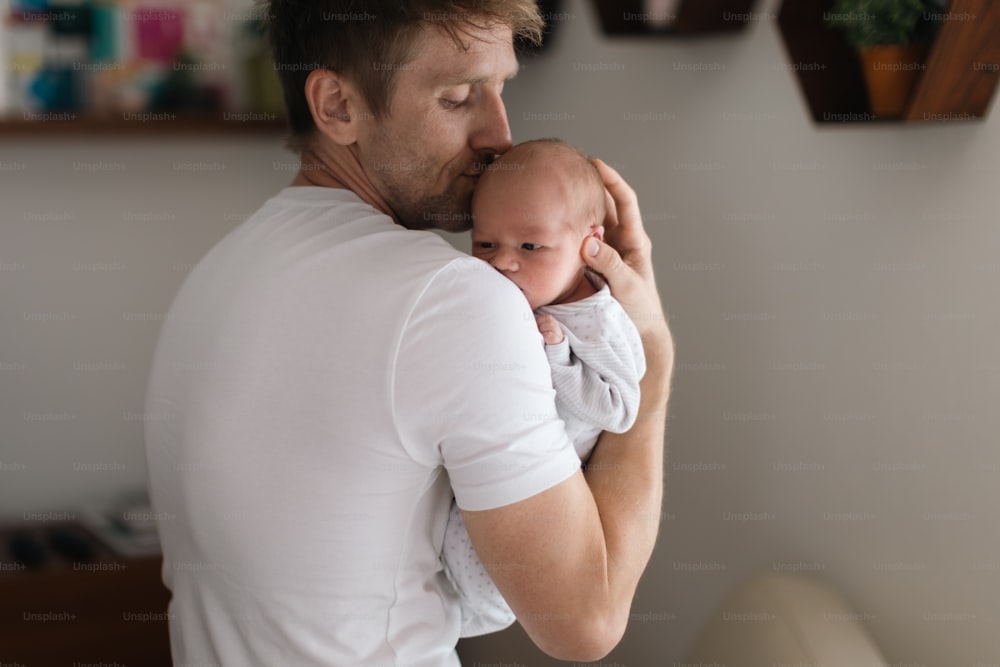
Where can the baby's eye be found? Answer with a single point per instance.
(531, 246)
(485, 245)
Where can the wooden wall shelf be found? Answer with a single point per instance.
(693, 17)
(67, 123)
(961, 74)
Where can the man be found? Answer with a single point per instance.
(328, 376)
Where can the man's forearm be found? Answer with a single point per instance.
(625, 475)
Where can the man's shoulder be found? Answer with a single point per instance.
(472, 300)
(468, 279)
(339, 220)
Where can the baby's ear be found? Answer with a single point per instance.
(597, 231)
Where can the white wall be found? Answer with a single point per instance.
(95, 238)
(831, 289)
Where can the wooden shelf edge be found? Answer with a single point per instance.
(695, 18)
(962, 69)
(64, 123)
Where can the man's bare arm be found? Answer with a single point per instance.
(568, 560)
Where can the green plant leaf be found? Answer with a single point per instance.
(876, 22)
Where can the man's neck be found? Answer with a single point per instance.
(328, 165)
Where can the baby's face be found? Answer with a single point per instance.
(528, 232)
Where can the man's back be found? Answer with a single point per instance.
(303, 491)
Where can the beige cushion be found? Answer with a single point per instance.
(785, 619)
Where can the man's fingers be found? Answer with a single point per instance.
(610, 211)
(626, 263)
(626, 205)
(606, 261)
(625, 231)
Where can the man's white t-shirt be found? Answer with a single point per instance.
(323, 382)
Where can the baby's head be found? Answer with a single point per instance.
(531, 211)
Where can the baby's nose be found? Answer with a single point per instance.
(504, 260)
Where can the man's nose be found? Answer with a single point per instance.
(492, 132)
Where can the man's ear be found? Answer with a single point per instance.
(334, 104)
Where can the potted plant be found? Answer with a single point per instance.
(891, 37)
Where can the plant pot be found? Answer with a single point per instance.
(891, 73)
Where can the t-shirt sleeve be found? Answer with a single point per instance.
(472, 390)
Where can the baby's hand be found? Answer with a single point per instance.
(550, 329)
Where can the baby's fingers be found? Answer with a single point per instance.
(549, 327)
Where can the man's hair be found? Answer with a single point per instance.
(556, 157)
(369, 42)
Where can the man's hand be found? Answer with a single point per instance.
(625, 258)
(550, 329)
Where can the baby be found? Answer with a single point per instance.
(532, 210)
